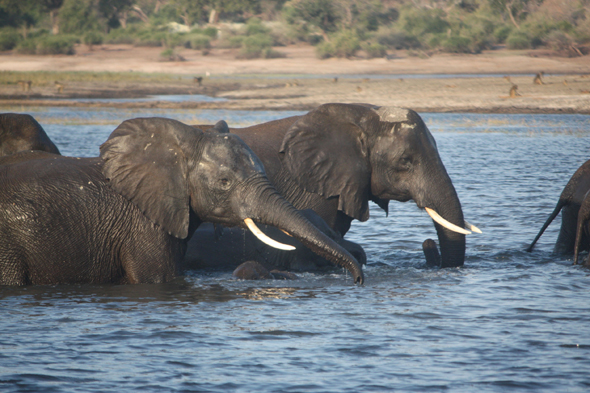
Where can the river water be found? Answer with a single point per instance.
(507, 321)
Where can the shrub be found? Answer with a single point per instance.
(457, 45)
(9, 39)
(374, 50)
(346, 44)
(518, 40)
(255, 46)
(170, 54)
(558, 40)
(27, 47)
(93, 38)
(501, 33)
(254, 26)
(325, 50)
(397, 40)
(419, 21)
(56, 45)
(199, 41)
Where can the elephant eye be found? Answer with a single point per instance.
(225, 183)
(405, 162)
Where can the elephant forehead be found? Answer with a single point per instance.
(392, 114)
(231, 152)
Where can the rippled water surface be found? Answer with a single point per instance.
(507, 321)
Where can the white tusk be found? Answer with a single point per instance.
(265, 239)
(472, 227)
(452, 227)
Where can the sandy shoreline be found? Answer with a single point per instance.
(440, 83)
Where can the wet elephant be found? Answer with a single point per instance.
(569, 203)
(20, 132)
(126, 216)
(338, 157)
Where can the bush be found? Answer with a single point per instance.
(397, 40)
(254, 26)
(170, 55)
(518, 40)
(374, 50)
(56, 45)
(93, 38)
(199, 41)
(558, 40)
(257, 46)
(324, 50)
(457, 45)
(419, 21)
(27, 47)
(346, 44)
(9, 39)
(501, 33)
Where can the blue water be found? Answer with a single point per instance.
(507, 321)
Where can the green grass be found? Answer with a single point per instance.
(42, 78)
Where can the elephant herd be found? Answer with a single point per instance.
(164, 197)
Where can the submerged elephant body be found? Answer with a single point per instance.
(572, 238)
(126, 216)
(338, 157)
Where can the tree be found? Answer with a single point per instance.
(322, 14)
(115, 11)
(20, 13)
(53, 6)
(191, 11)
(77, 16)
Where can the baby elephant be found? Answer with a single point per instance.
(572, 238)
(126, 216)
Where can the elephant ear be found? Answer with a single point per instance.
(146, 161)
(326, 152)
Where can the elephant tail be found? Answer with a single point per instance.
(562, 202)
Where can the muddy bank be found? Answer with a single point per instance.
(473, 83)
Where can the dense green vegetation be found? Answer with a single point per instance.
(341, 28)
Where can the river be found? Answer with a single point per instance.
(507, 321)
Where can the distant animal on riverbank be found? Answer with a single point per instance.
(538, 78)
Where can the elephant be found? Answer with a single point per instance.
(217, 244)
(20, 132)
(338, 157)
(570, 200)
(583, 230)
(126, 216)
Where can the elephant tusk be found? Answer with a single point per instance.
(265, 239)
(472, 227)
(452, 227)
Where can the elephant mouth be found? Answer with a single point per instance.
(469, 228)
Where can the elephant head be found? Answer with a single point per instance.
(22, 132)
(180, 176)
(359, 152)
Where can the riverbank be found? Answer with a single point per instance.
(300, 81)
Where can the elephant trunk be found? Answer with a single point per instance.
(448, 206)
(261, 202)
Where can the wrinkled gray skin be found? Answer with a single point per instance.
(21, 133)
(569, 203)
(583, 231)
(338, 157)
(125, 217)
